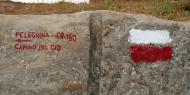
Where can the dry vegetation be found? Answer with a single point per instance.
(72, 87)
(168, 9)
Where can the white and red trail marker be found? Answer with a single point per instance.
(150, 45)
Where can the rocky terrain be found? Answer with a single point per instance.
(97, 62)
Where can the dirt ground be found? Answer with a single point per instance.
(172, 11)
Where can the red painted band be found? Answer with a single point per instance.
(150, 54)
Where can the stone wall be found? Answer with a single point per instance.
(97, 63)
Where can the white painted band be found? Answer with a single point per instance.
(51, 1)
(138, 36)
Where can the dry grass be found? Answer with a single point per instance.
(72, 87)
(159, 8)
(1, 37)
(178, 10)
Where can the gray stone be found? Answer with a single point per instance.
(67, 72)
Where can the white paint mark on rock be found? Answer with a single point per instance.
(138, 36)
(52, 1)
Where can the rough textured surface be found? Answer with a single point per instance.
(95, 54)
(66, 72)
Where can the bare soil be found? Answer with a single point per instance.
(176, 11)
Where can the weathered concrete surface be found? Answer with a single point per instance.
(66, 72)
